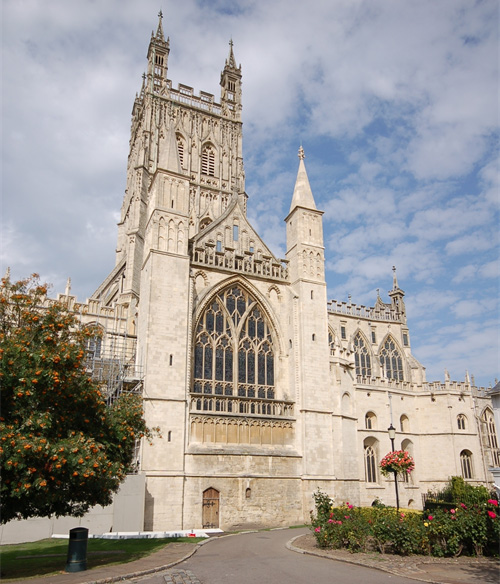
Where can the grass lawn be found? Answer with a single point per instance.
(48, 556)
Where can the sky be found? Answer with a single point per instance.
(396, 103)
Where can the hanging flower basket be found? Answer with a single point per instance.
(399, 462)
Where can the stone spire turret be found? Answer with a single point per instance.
(396, 295)
(302, 194)
(158, 51)
(230, 82)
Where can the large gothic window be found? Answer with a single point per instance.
(391, 360)
(362, 357)
(491, 437)
(233, 352)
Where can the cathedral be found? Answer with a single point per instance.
(264, 390)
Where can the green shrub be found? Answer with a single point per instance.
(472, 529)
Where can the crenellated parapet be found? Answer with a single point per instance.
(384, 312)
(249, 263)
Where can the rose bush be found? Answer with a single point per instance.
(466, 529)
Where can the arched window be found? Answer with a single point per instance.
(461, 421)
(404, 423)
(370, 461)
(362, 357)
(233, 353)
(466, 464)
(370, 421)
(391, 361)
(408, 446)
(491, 437)
(208, 160)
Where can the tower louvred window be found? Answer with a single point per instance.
(233, 353)
(180, 150)
(208, 161)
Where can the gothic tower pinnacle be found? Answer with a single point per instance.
(158, 51)
(230, 82)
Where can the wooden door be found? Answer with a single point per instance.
(210, 509)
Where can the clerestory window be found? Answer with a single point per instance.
(233, 353)
(362, 357)
(391, 361)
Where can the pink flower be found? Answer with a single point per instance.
(452, 511)
(350, 506)
(492, 514)
(347, 516)
(430, 518)
(493, 502)
(330, 521)
(339, 522)
(463, 506)
(318, 529)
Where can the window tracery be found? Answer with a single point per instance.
(362, 357)
(461, 421)
(391, 361)
(233, 353)
(370, 463)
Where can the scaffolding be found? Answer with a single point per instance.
(111, 363)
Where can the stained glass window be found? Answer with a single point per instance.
(391, 361)
(362, 357)
(233, 352)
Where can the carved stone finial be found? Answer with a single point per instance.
(160, 14)
(394, 279)
(301, 153)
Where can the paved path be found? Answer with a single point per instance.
(263, 558)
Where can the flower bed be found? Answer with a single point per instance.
(471, 530)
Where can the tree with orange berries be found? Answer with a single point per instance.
(62, 449)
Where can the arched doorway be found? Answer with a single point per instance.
(210, 518)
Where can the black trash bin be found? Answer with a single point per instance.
(77, 549)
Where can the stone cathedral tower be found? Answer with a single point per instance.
(263, 390)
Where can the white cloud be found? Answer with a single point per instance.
(395, 103)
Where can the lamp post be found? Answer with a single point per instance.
(392, 435)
